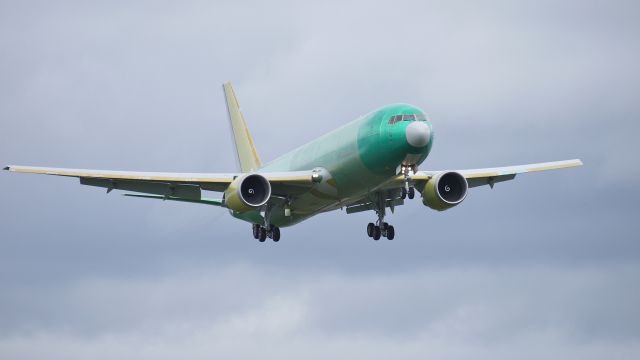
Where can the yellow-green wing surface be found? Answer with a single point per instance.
(490, 176)
(185, 186)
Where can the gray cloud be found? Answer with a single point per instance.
(453, 313)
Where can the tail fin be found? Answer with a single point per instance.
(247, 155)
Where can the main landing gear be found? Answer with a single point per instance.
(381, 200)
(261, 233)
(380, 228)
(385, 230)
(268, 230)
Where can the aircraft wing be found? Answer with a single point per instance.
(486, 176)
(186, 186)
(490, 176)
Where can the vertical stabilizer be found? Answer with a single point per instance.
(247, 155)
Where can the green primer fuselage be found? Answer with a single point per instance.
(356, 159)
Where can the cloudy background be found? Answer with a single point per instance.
(543, 267)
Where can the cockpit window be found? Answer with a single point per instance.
(407, 117)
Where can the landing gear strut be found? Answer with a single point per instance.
(256, 231)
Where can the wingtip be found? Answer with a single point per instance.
(578, 162)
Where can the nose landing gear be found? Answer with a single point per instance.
(408, 190)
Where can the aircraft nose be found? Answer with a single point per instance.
(418, 134)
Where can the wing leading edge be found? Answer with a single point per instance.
(188, 186)
(171, 186)
(488, 176)
(475, 177)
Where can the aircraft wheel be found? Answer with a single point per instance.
(263, 234)
(256, 231)
(384, 226)
(412, 192)
(404, 193)
(275, 234)
(376, 233)
(391, 232)
(370, 227)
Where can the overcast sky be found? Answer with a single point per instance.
(546, 266)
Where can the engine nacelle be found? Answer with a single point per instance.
(445, 191)
(247, 192)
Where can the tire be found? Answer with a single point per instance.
(275, 234)
(376, 233)
(256, 231)
(384, 226)
(370, 227)
(404, 193)
(263, 234)
(412, 192)
(391, 232)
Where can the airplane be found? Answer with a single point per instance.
(369, 164)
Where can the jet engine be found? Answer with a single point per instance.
(445, 191)
(247, 192)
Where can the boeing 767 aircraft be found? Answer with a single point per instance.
(370, 163)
